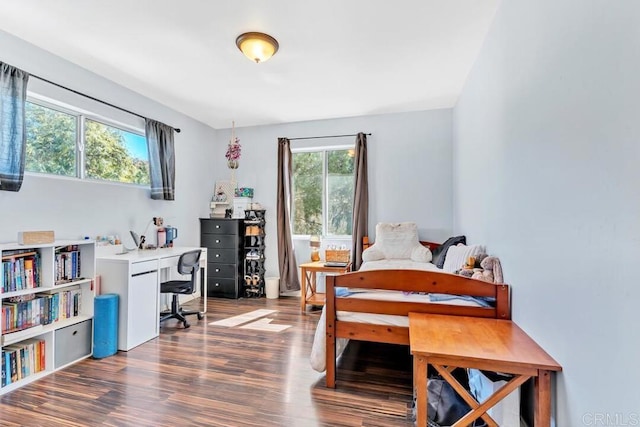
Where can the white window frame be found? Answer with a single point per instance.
(81, 116)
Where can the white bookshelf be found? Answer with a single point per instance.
(68, 332)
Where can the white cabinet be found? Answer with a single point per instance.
(47, 293)
(143, 307)
(136, 283)
(135, 276)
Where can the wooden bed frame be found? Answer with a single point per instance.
(401, 280)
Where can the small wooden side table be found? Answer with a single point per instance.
(447, 342)
(308, 294)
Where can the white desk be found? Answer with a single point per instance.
(135, 277)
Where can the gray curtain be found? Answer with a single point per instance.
(13, 143)
(162, 162)
(289, 280)
(360, 200)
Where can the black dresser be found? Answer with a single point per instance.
(224, 240)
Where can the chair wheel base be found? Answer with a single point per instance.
(200, 316)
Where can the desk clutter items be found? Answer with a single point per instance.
(108, 240)
(159, 236)
(35, 237)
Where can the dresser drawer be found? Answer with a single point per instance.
(216, 270)
(222, 256)
(219, 226)
(217, 241)
(225, 288)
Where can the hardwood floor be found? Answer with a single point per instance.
(215, 376)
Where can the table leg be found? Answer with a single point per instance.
(542, 386)
(304, 286)
(420, 380)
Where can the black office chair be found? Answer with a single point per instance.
(188, 263)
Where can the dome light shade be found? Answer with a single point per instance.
(258, 47)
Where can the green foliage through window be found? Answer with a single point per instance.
(115, 155)
(51, 141)
(323, 192)
(55, 147)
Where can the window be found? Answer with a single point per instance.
(113, 154)
(323, 192)
(56, 146)
(51, 141)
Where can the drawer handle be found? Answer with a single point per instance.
(217, 255)
(74, 332)
(217, 270)
(217, 240)
(217, 284)
(217, 226)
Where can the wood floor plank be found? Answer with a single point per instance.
(214, 376)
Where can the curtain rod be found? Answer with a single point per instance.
(94, 99)
(326, 136)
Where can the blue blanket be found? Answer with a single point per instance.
(342, 292)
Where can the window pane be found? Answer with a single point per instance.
(307, 193)
(340, 192)
(113, 154)
(51, 141)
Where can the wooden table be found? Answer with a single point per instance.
(308, 294)
(447, 342)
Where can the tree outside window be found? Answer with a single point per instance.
(55, 147)
(323, 192)
(113, 154)
(51, 141)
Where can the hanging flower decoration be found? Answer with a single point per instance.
(233, 150)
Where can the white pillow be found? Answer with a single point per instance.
(421, 254)
(372, 254)
(457, 256)
(397, 240)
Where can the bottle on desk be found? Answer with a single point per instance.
(162, 237)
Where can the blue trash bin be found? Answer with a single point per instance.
(105, 325)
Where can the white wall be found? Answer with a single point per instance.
(546, 174)
(409, 168)
(73, 208)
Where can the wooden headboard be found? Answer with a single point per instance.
(431, 245)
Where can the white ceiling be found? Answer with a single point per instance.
(337, 58)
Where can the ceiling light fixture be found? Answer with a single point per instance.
(258, 47)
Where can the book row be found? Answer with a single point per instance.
(20, 271)
(43, 309)
(21, 360)
(67, 265)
